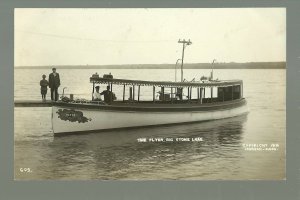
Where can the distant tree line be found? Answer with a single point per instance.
(232, 65)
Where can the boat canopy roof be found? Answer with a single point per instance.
(214, 83)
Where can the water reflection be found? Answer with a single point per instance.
(118, 154)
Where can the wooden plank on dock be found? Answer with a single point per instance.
(33, 103)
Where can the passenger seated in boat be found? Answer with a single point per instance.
(179, 93)
(108, 95)
(97, 95)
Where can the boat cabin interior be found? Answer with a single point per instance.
(163, 92)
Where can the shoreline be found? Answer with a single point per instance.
(250, 65)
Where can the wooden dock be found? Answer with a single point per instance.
(33, 103)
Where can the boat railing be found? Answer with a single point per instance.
(205, 101)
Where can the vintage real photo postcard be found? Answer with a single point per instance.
(150, 94)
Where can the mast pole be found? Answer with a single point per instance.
(212, 69)
(184, 44)
(183, 47)
(176, 69)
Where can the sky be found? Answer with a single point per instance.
(59, 36)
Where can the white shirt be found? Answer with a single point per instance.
(97, 96)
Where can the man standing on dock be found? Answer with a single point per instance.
(54, 83)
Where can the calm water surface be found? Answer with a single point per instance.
(118, 155)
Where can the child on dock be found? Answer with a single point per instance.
(44, 84)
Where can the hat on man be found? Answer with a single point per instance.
(97, 87)
(53, 68)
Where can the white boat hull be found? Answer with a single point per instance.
(67, 120)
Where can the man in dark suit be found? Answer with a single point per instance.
(108, 95)
(54, 83)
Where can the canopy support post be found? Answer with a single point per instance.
(201, 95)
(211, 94)
(93, 90)
(242, 90)
(139, 88)
(130, 93)
(223, 91)
(198, 94)
(124, 93)
(231, 92)
(133, 96)
(153, 94)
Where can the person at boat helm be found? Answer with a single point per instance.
(108, 95)
(97, 95)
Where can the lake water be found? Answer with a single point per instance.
(226, 150)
